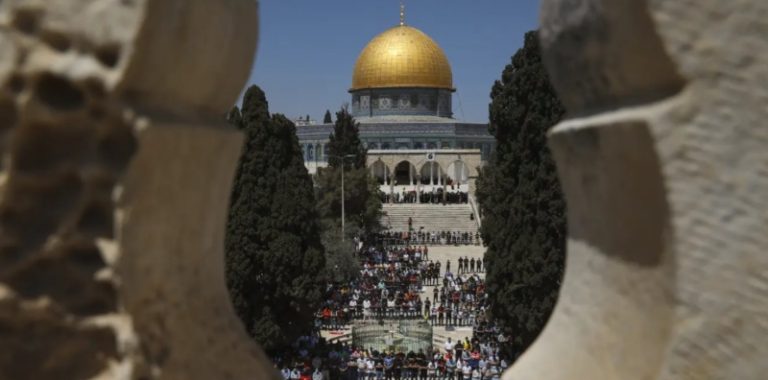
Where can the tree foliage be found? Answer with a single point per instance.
(345, 141)
(327, 118)
(274, 254)
(520, 198)
(362, 203)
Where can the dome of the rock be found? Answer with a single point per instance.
(402, 56)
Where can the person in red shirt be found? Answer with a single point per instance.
(305, 375)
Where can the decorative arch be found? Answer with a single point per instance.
(431, 173)
(405, 173)
(458, 172)
(380, 171)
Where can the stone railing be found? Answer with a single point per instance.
(116, 169)
(664, 163)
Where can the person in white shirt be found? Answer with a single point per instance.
(286, 372)
(466, 371)
(431, 370)
(317, 375)
(361, 367)
(476, 374)
(295, 374)
(448, 345)
(370, 368)
(366, 309)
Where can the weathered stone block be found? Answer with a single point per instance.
(115, 170)
(665, 171)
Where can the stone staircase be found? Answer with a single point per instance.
(433, 217)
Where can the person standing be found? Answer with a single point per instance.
(448, 346)
(461, 266)
(472, 264)
(450, 367)
(389, 362)
(466, 371)
(295, 374)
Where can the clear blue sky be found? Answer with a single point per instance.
(307, 48)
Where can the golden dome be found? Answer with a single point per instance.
(402, 57)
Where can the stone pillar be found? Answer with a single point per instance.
(117, 168)
(431, 174)
(391, 178)
(665, 170)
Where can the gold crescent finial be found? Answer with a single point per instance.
(402, 13)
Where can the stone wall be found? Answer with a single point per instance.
(114, 184)
(664, 162)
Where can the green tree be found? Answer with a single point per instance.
(235, 118)
(362, 203)
(274, 253)
(519, 194)
(341, 265)
(327, 119)
(345, 141)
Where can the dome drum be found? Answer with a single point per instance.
(402, 101)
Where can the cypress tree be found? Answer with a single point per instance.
(327, 119)
(345, 140)
(235, 118)
(519, 194)
(362, 204)
(274, 253)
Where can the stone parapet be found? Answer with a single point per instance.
(116, 169)
(664, 165)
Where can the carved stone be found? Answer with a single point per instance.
(114, 182)
(664, 163)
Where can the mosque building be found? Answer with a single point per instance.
(402, 97)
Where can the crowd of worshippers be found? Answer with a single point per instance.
(435, 197)
(461, 301)
(313, 358)
(421, 237)
(389, 286)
